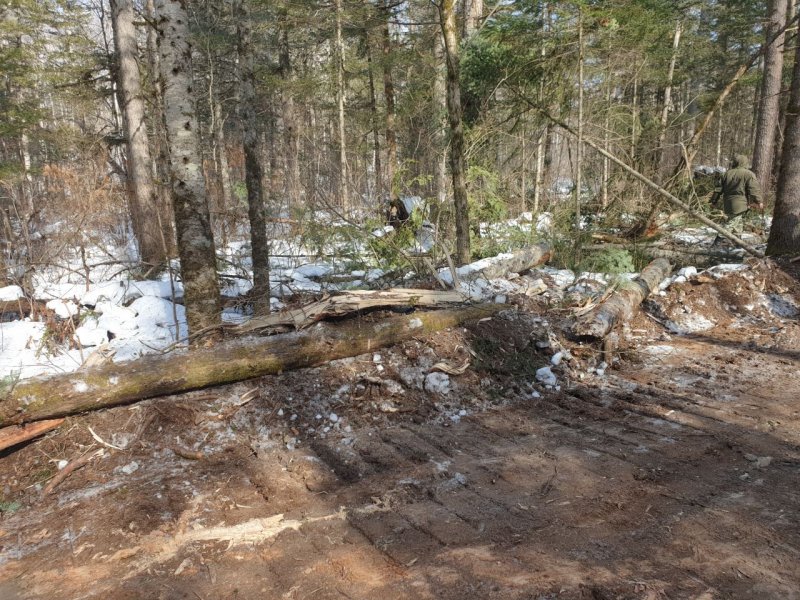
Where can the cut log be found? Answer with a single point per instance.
(16, 434)
(351, 302)
(19, 309)
(228, 362)
(622, 304)
(503, 264)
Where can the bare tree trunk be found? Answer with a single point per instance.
(388, 91)
(143, 201)
(26, 186)
(160, 157)
(579, 149)
(340, 102)
(473, 13)
(190, 203)
(665, 110)
(541, 149)
(769, 103)
(252, 162)
(606, 145)
(376, 136)
(541, 142)
(784, 237)
(439, 109)
(523, 197)
(634, 117)
(720, 124)
(447, 18)
(291, 135)
(221, 158)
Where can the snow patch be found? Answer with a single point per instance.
(63, 309)
(782, 305)
(10, 293)
(437, 383)
(545, 375)
(689, 323)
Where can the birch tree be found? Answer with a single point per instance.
(190, 204)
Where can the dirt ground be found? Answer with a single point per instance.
(671, 473)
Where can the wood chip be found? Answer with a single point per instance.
(188, 454)
(449, 369)
(101, 441)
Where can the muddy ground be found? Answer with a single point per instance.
(670, 473)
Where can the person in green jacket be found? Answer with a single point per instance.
(739, 190)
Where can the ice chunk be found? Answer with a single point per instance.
(545, 375)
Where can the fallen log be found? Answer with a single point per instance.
(503, 264)
(11, 310)
(16, 434)
(622, 304)
(675, 253)
(350, 302)
(228, 362)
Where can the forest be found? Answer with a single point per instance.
(176, 128)
(399, 298)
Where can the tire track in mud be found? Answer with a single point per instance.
(582, 461)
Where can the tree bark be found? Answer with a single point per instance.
(376, 136)
(784, 237)
(623, 303)
(159, 166)
(252, 161)
(388, 92)
(343, 191)
(143, 201)
(769, 102)
(439, 109)
(447, 18)
(579, 148)
(221, 158)
(473, 13)
(541, 141)
(190, 203)
(665, 110)
(291, 134)
(159, 375)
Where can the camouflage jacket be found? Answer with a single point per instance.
(739, 189)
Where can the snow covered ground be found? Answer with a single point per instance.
(121, 318)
